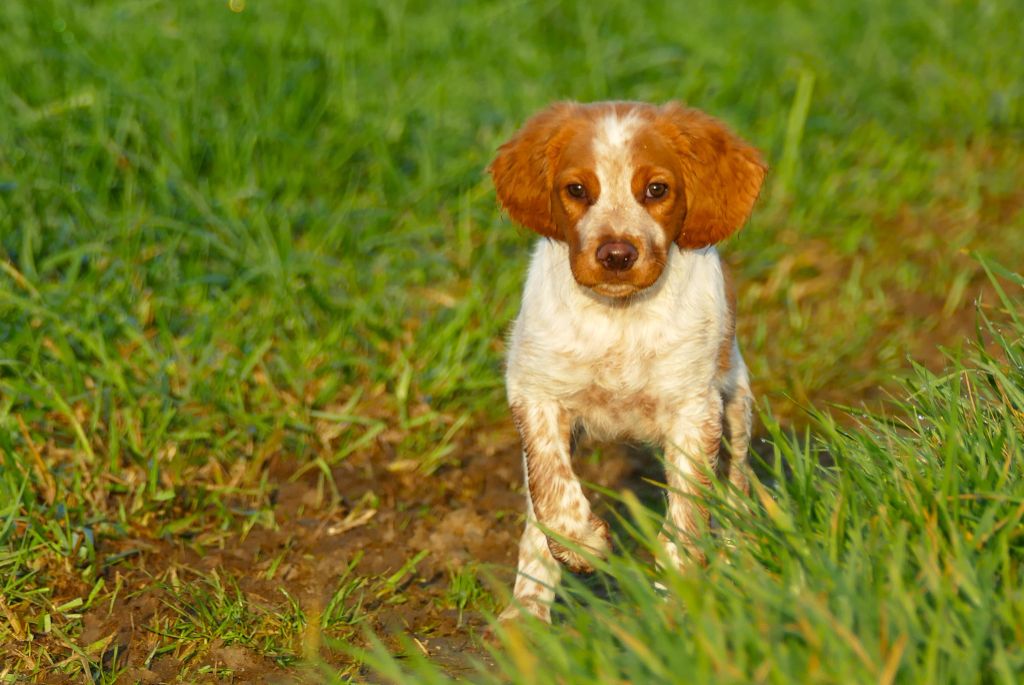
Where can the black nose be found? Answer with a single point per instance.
(617, 255)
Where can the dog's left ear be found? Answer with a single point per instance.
(721, 172)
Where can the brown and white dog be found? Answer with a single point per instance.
(627, 320)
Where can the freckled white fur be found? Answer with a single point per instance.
(652, 359)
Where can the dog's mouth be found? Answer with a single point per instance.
(616, 290)
(618, 286)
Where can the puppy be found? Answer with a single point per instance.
(627, 322)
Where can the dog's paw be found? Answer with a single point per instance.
(596, 540)
(522, 607)
(509, 626)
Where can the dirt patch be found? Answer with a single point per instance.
(463, 517)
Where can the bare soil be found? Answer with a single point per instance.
(465, 513)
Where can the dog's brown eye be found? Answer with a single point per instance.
(577, 190)
(655, 190)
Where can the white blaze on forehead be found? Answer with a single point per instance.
(614, 166)
(616, 208)
(614, 133)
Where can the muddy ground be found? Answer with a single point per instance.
(469, 513)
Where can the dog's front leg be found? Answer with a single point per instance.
(537, 573)
(554, 503)
(558, 503)
(691, 453)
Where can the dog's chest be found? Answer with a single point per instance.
(620, 378)
(622, 370)
(631, 388)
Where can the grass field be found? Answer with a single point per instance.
(253, 291)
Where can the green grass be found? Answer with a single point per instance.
(240, 245)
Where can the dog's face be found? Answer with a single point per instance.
(620, 182)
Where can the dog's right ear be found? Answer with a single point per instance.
(524, 168)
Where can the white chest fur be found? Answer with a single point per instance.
(619, 367)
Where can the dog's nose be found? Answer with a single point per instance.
(617, 255)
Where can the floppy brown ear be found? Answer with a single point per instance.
(524, 168)
(722, 174)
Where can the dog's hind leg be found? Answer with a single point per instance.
(738, 410)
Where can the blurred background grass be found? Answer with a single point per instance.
(225, 224)
(298, 187)
(313, 172)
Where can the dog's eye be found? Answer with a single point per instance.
(576, 190)
(655, 190)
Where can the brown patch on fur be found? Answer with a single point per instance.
(711, 443)
(736, 425)
(571, 560)
(545, 477)
(646, 405)
(656, 161)
(574, 561)
(575, 164)
(595, 396)
(722, 175)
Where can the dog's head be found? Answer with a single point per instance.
(619, 182)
